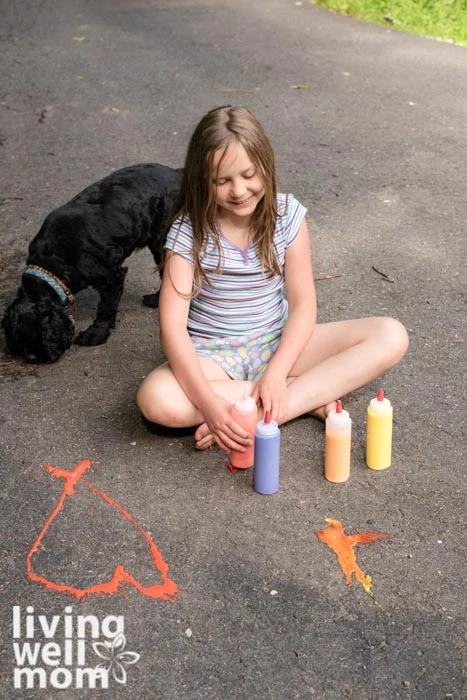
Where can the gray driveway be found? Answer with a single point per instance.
(369, 128)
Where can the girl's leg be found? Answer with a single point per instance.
(341, 357)
(162, 400)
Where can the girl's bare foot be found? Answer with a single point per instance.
(322, 413)
(203, 438)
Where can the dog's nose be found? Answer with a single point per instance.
(30, 356)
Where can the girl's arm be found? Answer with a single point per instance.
(174, 304)
(301, 297)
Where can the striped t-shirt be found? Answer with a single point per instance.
(241, 298)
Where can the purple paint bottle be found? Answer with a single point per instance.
(267, 456)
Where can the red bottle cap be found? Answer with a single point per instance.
(338, 406)
(380, 396)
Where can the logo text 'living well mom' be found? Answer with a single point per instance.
(51, 652)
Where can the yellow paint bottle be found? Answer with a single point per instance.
(338, 437)
(379, 432)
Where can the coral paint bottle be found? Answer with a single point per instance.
(337, 445)
(379, 432)
(267, 456)
(246, 415)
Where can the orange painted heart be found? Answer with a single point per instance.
(166, 590)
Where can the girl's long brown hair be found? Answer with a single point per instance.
(196, 202)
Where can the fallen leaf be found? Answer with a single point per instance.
(385, 277)
(239, 90)
(327, 277)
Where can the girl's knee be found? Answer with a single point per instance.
(144, 401)
(151, 399)
(394, 337)
(161, 400)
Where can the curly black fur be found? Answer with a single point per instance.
(84, 244)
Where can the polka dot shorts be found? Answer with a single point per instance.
(243, 357)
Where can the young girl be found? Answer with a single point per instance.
(237, 305)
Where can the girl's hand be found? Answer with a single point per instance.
(227, 433)
(271, 390)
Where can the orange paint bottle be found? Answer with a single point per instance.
(245, 413)
(338, 439)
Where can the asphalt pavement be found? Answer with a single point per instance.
(188, 583)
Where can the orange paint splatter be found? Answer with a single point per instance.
(342, 545)
(167, 590)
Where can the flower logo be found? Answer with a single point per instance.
(115, 657)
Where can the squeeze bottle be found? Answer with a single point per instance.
(245, 413)
(338, 439)
(379, 432)
(267, 456)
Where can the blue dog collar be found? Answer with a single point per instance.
(66, 297)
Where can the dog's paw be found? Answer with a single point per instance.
(94, 335)
(151, 300)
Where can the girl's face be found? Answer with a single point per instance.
(238, 183)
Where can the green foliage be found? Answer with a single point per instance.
(440, 19)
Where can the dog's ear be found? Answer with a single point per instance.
(9, 324)
(57, 331)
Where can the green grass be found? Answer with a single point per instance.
(440, 19)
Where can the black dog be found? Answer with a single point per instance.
(83, 244)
